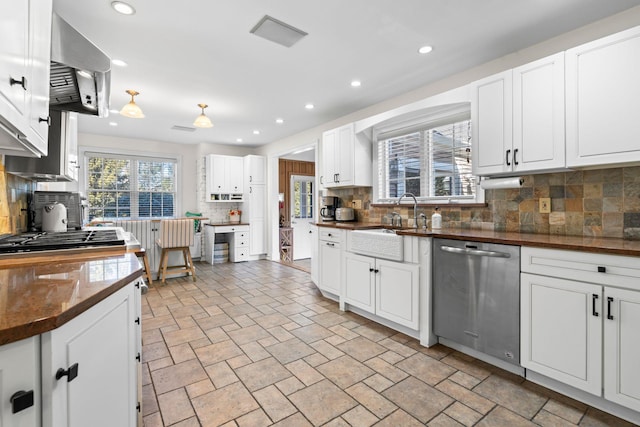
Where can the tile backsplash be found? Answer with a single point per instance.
(13, 202)
(603, 202)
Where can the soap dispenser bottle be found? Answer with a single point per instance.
(436, 220)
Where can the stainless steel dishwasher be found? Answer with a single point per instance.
(476, 296)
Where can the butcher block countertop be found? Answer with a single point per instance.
(602, 245)
(44, 294)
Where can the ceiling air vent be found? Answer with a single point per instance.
(183, 128)
(277, 31)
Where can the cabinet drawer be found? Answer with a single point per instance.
(241, 235)
(612, 270)
(330, 235)
(242, 254)
(231, 229)
(242, 243)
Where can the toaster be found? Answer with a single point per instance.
(344, 214)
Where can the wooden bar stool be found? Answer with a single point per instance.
(142, 254)
(175, 235)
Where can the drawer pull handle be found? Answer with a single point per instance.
(70, 373)
(602, 269)
(330, 244)
(593, 305)
(609, 301)
(21, 400)
(371, 270)
(22, 82)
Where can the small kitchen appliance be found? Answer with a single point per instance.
(54, 217)
(329, 206)
(345, 214)
(74, 202)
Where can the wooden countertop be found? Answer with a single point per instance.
(38, 297)
(603, 245)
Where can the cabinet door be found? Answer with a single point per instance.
(257, 220)
(20, 371)
(622, 347)
(102, 342)
(328, 168)
(492, 130)
(602, 100)
(234, 170)
(330, 267)
(561, 330)
(255, 169)
(216, 174)
(14, 33)
(343, 156)
(358, 279)
(314, 253)
(39, 64)
(538, 115)
(397, 296)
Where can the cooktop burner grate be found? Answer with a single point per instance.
(28, 242)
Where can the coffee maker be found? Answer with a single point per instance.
(328, 209)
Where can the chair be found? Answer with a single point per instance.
(175, 235)
(142, 253)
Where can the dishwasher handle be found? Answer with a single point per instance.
(474, 252)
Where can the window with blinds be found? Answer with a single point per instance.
(429, 161)
(130, 187)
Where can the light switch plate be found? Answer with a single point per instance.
(545, 205)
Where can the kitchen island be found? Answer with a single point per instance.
(71, 340)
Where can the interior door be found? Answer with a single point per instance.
(301, 209)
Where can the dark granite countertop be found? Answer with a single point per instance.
(604, 245)
(38, 297)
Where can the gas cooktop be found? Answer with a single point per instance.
(43, 241)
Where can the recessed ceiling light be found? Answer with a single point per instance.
(309, 106)
(238, 139)
(119, 62)
(425, 49)
(123, 8)
(356, 83)
(279, 121)
(113, 124)
(256, 132)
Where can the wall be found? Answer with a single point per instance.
(603, 202)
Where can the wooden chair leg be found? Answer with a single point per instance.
(189, 261)
(163, 262)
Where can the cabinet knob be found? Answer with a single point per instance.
(22, 82)
(21, 400)
(71, 373)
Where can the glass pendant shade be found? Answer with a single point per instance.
(131, 109)
(202, 121)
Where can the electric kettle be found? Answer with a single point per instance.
(54, 217)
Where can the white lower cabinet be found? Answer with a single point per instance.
(622, 347)
(581, 327)
(20, 383)
(330, 260)
(388, 289)
(90, 366)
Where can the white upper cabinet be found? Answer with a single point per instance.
(224, 179)
(518, 119)
(255, 169)
(25, 31)
(346, 159)
(603, 90)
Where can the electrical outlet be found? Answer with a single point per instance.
(357, 204)
(545, 205)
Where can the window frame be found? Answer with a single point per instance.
(86, 152)
(415, 121)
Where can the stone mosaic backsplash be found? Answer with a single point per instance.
(13, 202)
(603, 202)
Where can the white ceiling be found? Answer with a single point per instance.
(181, 53)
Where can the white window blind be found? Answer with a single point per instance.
(432, 162)
(130, 187)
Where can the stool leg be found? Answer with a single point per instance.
(163, 263)
(189, 260)
(147, 269)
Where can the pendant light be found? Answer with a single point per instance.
(203, 121)
(131, 109)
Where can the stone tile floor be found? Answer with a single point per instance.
(255, 344)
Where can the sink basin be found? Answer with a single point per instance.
(378, 242)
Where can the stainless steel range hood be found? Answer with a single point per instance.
(80, 72)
